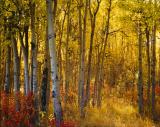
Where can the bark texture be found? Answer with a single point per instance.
(54, 74)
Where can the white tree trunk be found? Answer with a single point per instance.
(54, 74)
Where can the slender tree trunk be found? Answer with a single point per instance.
(96, 77)
(90, 60)
(34, 50)
(0, 81)
(3, 67)
(8, 63)
(25, 49)
(26, 72)
(148, 65)
(93, 21)
(16, 65)
(54, 74)
(84, 42)
(7, 79)
(26, 28)
(101, 74)
(34, 82)
(0, 63)
(153, 71)
(67, 53)
(159, 68)
(26, 58)
(140, 79)
(8, 60)
(49, 70)
(60, 52)
(45, 79)
(80, 87)
(44, 87)
(16, 71)
(82, 39)
(82, 69)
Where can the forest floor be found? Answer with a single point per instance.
(115, 112)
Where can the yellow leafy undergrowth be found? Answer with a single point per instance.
(115, 112)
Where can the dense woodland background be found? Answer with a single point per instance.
(88, 63)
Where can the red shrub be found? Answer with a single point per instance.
(68, 124)
(13, 118)
(26, 114)
(157, 90)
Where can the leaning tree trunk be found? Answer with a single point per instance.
(93, 21)
(140, 80)
(54, 74)
(101, 75)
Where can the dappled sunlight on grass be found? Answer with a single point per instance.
(122, 108)
(115, 113)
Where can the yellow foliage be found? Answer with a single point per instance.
(115, 112)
